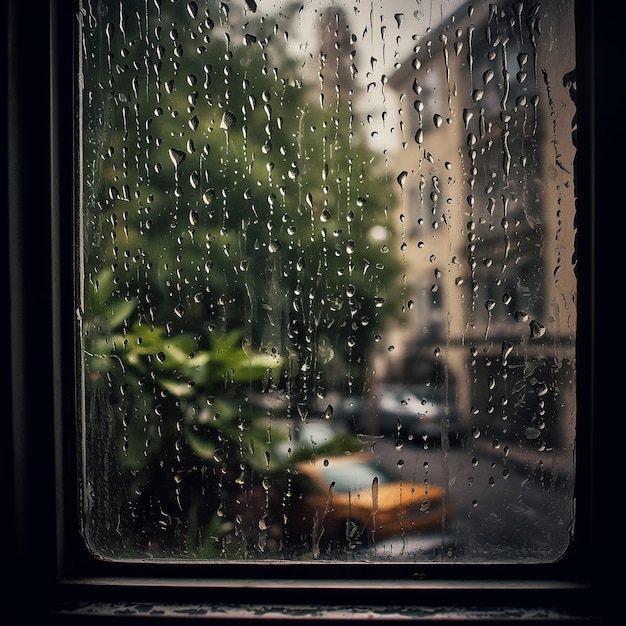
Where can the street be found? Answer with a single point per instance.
(501, 509)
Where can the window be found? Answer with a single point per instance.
(283, 247)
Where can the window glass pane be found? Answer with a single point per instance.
(327, 304)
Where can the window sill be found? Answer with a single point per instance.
(337, 601)
(288, 613)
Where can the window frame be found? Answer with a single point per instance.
(64, 580)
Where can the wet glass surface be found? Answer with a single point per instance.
(315, 234)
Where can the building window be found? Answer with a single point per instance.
(327, 296)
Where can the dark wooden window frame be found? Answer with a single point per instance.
(48, 573)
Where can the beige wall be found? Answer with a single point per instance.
(539, 205)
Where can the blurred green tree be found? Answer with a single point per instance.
(227, 250)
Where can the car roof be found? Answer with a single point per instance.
(326, 464)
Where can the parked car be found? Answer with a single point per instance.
(355, 499)
(415, 413)
(315, 436)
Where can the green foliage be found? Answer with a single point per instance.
(227, 246)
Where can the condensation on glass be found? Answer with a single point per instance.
(327, 304)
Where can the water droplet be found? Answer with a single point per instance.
(274, 245)
(303, 410)
(402, 176)
(192, 9)
(177, 157)
(229, 119)
(536, 329)
(532, 432)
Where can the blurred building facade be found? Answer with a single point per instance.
(486, 117)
